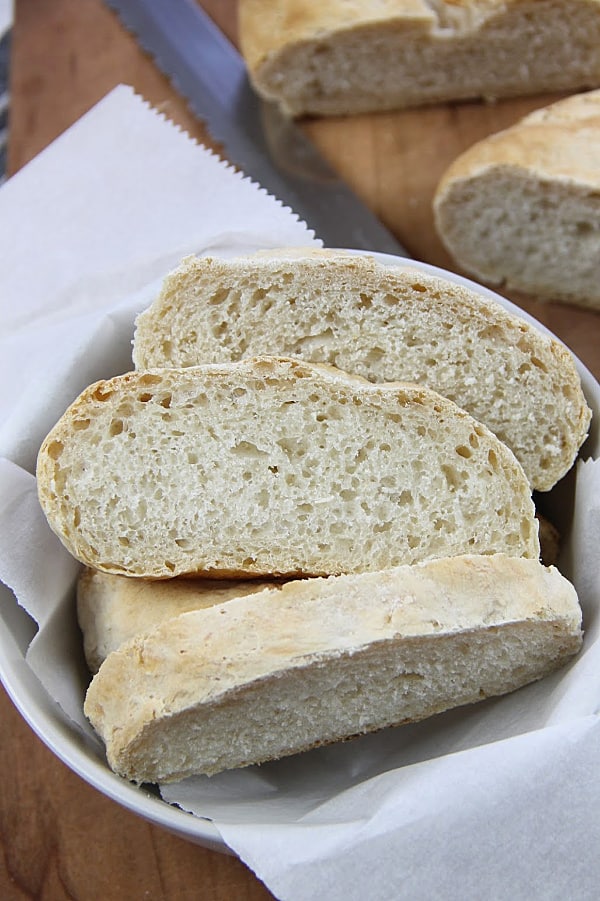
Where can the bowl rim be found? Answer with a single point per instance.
(62, 737)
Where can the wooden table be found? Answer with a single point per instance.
(61, 838)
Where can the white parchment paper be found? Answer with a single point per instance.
(500, 800)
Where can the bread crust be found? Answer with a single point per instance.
(320, 660)
(557, 142)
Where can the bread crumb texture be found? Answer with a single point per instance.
(320, 660)
(276, 467)
(384, 323)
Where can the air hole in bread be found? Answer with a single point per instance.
(454, 477)
(102, 394)
(382, 527)
(248, 449)
(464, 451)
(218, 297)
(55, 449)
(540, 364)
(492, 459)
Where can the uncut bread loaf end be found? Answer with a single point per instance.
(382, 322)
(276, 467)
(112, 609)
(320, 660)
(343, 57)
(522, 207)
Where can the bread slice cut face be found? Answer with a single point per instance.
(276, 467)
(382, 322)
(320, 660)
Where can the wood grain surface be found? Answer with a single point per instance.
(61, 839)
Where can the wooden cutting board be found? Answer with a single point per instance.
(60, 838)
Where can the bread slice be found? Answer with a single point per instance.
(338, 57)
(320, 660)
(385, 323)
(112, 609)
(522, 207)
(276, 467)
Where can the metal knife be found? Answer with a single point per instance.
(207, 70)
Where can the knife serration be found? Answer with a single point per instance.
(208, 71)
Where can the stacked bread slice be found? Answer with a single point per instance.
(385, 323)
(295, 416)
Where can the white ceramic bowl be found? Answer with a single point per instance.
(47, 720)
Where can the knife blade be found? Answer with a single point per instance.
(208, 71)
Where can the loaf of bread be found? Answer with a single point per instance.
(320, 660)
(345, 57)
(276, 467)
(385, 323)
(522, 207)
(112, 609)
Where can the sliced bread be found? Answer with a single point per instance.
(522, 207)
(320, 660)
(276, 467)
(385, 323)
(344, 57)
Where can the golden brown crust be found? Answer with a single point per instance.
(560, 142)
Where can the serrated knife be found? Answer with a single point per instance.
(208, 71)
